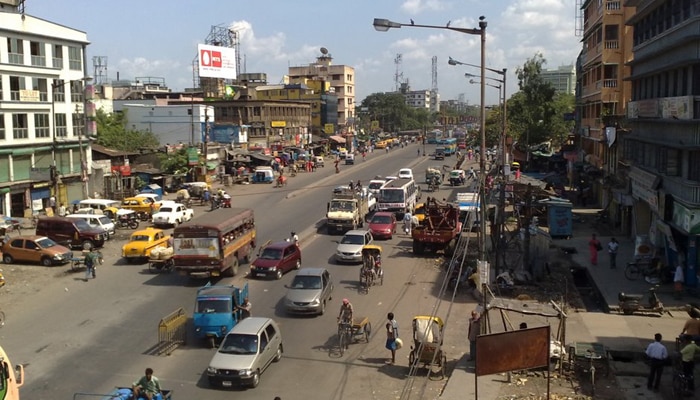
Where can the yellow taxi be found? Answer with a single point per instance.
(140, 204)
(419, 211)
(142, 242)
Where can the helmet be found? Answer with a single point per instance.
(346, 301)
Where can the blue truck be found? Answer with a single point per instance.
(216, 311)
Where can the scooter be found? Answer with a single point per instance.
(631, 303)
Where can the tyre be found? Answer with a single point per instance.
(411, 359)
(632, 272)
(46, 261)
(278, 274)
(342, 342)
(297, 265)
(133, 224)
(278, 356)
(7, 259)
(256, 379)
(233, 269)
(88, 245)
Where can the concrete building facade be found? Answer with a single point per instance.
(563, 79)
(342, 84)
(42, 120)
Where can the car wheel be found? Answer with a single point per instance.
(278, 274)
(7, 259)
(297, 265)
(46, 261)
(278, 356)
(88, 245)
(256, 379)
(323, 308)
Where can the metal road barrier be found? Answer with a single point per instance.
(172, 331)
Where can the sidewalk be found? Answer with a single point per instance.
(617, 332)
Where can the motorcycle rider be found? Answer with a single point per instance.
(293, 237)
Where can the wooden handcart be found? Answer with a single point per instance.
(159, 265)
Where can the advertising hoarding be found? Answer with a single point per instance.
(216, 62)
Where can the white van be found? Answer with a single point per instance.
(97, 221)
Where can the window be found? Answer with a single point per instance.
(20, 129)
(15, 51)
(78, 122)
(60, 125)
(38, 53)
(76, 91)
(75, 61)
(29, 245)
(694, 166)
(16, 84)
(2, 126)
(40, 85)
(348, 77)
(57, 56)
(41, 125)
(59, 91)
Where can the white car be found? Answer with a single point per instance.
(375, 184)
(349, 248)
(171, 213)
(406, 173)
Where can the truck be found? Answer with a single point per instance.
(216, 311)
(12, 378)
(346, 210)
(468, 202)
(439, 230)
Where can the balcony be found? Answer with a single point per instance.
(686, 191)
(38, 61)
(57, 63)
(613, 5)
(612, 44)
(15, 58)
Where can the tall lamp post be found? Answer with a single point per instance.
(56, 84)
(383, 25)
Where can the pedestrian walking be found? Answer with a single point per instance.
(474, 331)
(594, 247)
(407, 219)
(392, 334)
(613, 246)
(657, 354)
(91, 260)
(678, 281)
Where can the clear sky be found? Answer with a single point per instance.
(158, 38)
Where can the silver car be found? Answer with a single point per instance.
(309, 292)
(349, 248)
(246, 351)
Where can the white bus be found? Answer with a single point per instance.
(398, 195)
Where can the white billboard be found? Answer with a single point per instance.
(216, 62)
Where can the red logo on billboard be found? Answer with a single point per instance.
(210, 58)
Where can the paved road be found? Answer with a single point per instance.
(76, 336)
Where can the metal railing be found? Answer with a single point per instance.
(172, 331)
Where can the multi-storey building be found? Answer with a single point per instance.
(342, 82)
(43, 152)
(663, 147)
(562, 79)
(419, 99)
(602, 92)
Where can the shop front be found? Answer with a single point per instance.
(646, 204)
(683, 236)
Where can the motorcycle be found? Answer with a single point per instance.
(143, 216)
(631, 303)
(461, 280)
(128, 220)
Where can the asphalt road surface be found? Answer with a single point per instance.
(88, 337)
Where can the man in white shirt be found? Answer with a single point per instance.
(657, 354)
(613, 246)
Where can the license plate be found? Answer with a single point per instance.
(226, 383)
(259, 274)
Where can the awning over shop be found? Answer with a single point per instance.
(337, 139)
(260, 157)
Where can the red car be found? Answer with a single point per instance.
(383, 225)
(276, 259)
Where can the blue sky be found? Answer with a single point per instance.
(159, 38)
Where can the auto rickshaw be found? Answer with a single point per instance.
(457, 177)
(427, 345)
(371, 272)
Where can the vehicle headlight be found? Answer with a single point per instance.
(338, 252)
(288, 302)
(211, 370)
(315, 302)
(58, 257)
(245, 372)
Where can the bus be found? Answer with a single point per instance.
(11, 379)
(398, 195)
(450, 145)
(433, 137)
(214, 243)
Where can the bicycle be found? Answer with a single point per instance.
(592, 355)
(344, 334)
(681, 382)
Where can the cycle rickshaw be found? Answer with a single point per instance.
(371, 272)
(427, 345)
(360, 329)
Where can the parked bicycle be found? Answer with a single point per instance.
(681, 382)
(642, 268)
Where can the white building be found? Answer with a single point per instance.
(42, 66)
(172, 124)
(426, 99)
(563, 78)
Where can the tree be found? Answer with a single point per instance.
(112, 133)
(532, 112)
(175, 163)
(393, 114)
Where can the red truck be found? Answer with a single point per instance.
(439, 230)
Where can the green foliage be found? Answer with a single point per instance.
(535, 113)
(393, 114)
(112, 133)
(174, 163)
